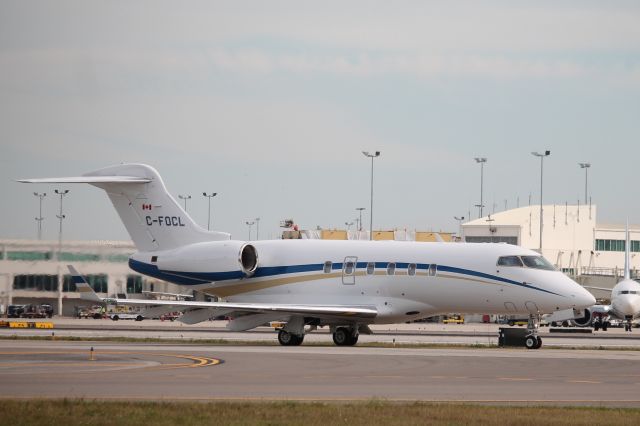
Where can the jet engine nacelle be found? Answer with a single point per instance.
(210, 256)
(585, 320)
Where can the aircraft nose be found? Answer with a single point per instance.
(626, 306)
(582, 297)
(579, 297)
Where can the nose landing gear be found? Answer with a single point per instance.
(532, 340)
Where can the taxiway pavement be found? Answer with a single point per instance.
(133, 371)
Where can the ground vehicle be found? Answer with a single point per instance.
(119, 316)
(47, 309)
(95, 312)
(14, 311)
(37, 311)
(453, 319)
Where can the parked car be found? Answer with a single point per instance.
(14, 311)
(37, 311)
(119, 316)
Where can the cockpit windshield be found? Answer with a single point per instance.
(536, 262)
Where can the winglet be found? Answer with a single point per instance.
(82, 286)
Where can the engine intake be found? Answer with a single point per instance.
(248, 259)
(584, 321)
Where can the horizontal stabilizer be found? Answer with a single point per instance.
(89, 179)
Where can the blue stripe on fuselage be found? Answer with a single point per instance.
(192, 278)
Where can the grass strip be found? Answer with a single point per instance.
(373, 412)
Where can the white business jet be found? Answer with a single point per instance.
(625, 300)
(346, 285)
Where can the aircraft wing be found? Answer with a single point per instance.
(226, 308)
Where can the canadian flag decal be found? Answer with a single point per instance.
(146, 207)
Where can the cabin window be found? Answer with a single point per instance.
(327, 267)
(349, 267)
(433, 270)
(371, 268)
(411, 270)
(391, 268)
(509, 261)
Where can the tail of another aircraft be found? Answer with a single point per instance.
(153, 218)
(627, 250)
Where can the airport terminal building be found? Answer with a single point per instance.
(33, 271)
(592, 253)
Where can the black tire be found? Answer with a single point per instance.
(539, 344)
(596, 326)
(531, 342)
(353, 340)
(341, 336)
(139, 318)
(605, 325)
(344, 337)
(511, 323)
(115, 318)
(288, 339)
(297, 340)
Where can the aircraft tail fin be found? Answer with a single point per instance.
(627, 250)
(153, 218)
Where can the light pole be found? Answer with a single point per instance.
(213, 194)
(349, 225)
(249, 224)
(60, 216)
(585, 166)
(537, 154)
(185, 198)
(257, 228)
(481, 160)
(39, 219)
(372, 156)
(459, 219)
(360, 217)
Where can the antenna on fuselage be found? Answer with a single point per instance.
(627, 249)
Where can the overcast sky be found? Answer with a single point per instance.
(271, 103)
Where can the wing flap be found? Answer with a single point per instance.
(309, 310)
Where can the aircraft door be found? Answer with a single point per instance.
(349, 270)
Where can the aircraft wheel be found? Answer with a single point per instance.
(539, 345)
(286, 339)
(341, 336)
(531, 342)
(297, 340)
(605, 326)
(596, 327)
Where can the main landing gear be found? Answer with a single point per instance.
(532, 340)
(289, 339)
(344, 336)
(628, 324)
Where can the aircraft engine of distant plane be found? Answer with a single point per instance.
(585, 320)
(211, 256)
